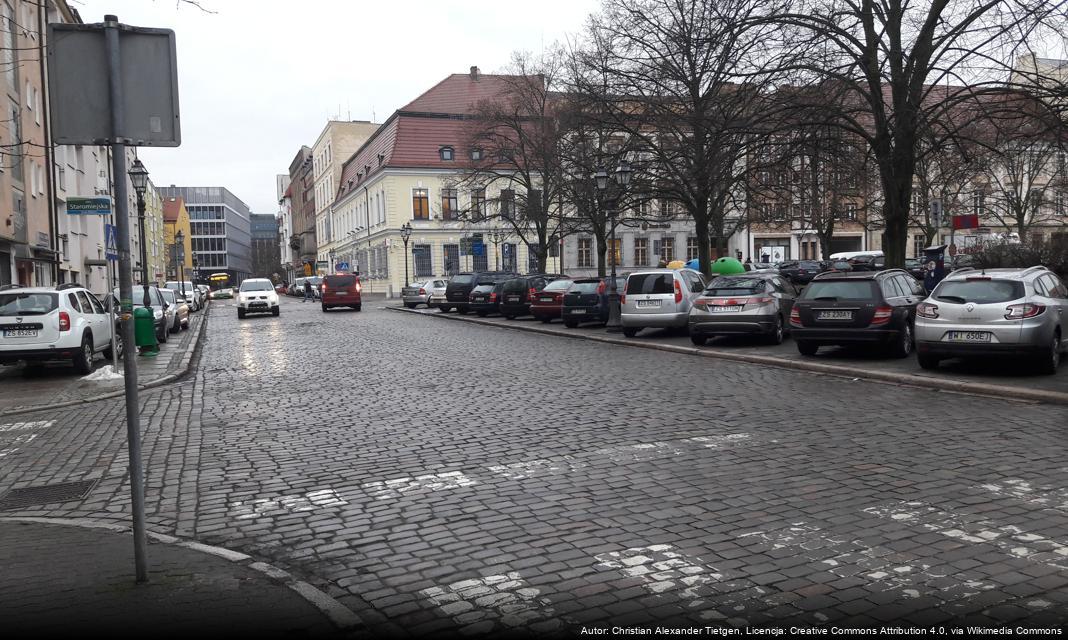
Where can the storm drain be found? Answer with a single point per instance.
(45, 494)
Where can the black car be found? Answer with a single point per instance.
(802, 271)
(587, 300)
(485, 298)
(915, 268)
(876, 308)
(157, 305)
(519, 291)
(458, 291)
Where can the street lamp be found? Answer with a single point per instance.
(139, 177)
(331, 255)
(179, 258)
(622, 178)
(405, 233)
(498, 238)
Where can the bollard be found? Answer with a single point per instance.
(145, 332)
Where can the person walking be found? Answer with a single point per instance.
(307, 292)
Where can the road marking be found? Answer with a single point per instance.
(847, 558)
(506, 599)
(536, 468)
(251, 509)
(1045, 497)
(399, 487)
(26, 426)
(19, 440)
(1009, 539)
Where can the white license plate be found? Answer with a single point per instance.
(834, 315)
(647, 304)
(726, 309)
(546, 299)
(513, 298)
(968, 336)
(577, 312)
(20, 333)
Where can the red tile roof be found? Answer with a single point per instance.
(171, 207)
(458, 94)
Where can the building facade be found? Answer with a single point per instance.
(220, 231)
(179, 259)
(337, 142)
(265, 255)
(303, 242)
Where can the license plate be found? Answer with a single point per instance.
(726, 309)
(20, 333)
(968, 336)
(647, 304)
(577, 312)
(546, 299)
(513, 298)
(480, 299)
(834, 315)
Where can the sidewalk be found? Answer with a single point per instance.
(71, 580)
(59, 385)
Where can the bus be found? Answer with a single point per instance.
(219, 281)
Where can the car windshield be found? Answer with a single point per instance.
(735, 286)
(27, 304)
(585, 286)
(559, 285)
(656, 283)
(342, 281)
(252, 285)
(979, 291)
(840, 290)
(168, 295)
(462, 279)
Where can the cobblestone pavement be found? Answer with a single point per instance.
(58, 383)
(441, 476)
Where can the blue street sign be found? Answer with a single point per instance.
(111, 247)
(89, 205)
(341, 266)
(478, 249)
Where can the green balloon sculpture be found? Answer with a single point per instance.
(727, 267)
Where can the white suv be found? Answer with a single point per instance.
(256, 295)
(44, 324)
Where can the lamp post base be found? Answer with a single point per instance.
(614, 324)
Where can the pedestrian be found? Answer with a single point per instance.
(307, 292)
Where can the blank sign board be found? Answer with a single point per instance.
(80, 96)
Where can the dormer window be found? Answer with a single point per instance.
(381, 159)
(446, 153)
(476, 154)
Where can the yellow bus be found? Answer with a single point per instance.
(219, 280)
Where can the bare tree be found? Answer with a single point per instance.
(945, 168)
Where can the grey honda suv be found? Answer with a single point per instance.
(994, 312)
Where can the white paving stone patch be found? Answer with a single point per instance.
(1045, 497)
(845, 558)
(11, 443)
(1009, 539)
(717, 442)
(391, 489)
(504, 599)
(537, 468)
(26, 426)
(251, 509)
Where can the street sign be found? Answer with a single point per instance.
(89, 205)
(478, 249)
(936, 213)
(966, 221)
(111, 247)
(341, 266)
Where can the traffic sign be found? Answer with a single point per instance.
(341, 266)
(936, 213)
(111, 247)
(478, 249)
(89, 205)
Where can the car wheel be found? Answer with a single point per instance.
(1051, 357)
(545, 320)
(240, 314)
(902, 347)
(118, 348)
(570, 324)
(777, 333)
(444, 308)
(630, 332)
(698, 340)
(807, 348)
(358, 307)
(325, 308)
(411, 305)
(276, 311)
(185, 326)
(83, 360)
(461, 311)
(928, 361)
(163, 336)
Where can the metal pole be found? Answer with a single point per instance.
(122, 231)
(614, 324)
(111, 318)
(144, 249)
(406, 262)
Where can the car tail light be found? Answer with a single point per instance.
(764, 300)
(359, 287)
(64, 321)
(882, 315)
(927, 310)
(493, 297)
(323, 287)
(601, 287)
(533, 292)
(623, 295)
(678, 292)
(422, 292)
(1020, 311)
(795, 317)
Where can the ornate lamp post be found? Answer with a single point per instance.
(331, 255)
(139, 177)
(622, 179)
(498, 238)
(179, 257)
(405, 233)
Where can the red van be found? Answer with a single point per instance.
(341, 290)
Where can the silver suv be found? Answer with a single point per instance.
(994, 312)
(659, 298)
(44, 324)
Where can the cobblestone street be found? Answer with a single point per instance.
(441, 476)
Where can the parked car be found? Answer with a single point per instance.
(547, 304)
(181, 309)
(518, 292)
(46, 324)
(192, 294)
(296, 288)
(485, 298)
(993, 312)
(760, 266)
(256, 295)
(437, 293)
(317, 286)
(458, 291)
(418, 293)
(280, 288)
(659, 298)
(874, 308)
(587, 300)
(205, 293)
(756, 303)
(341, 290)
(162, 313)
(801, 272)
(915, 268)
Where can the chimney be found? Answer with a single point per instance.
(474, 73)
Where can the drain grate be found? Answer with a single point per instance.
(45, 494)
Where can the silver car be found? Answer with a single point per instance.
(659, 298)
(995, 312)
(437, 292)
(418, 293)
(753, 303)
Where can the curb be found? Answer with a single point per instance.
(339, 615)
(183, 369)
(955, 386)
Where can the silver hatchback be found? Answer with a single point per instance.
(659, 298)
(994, 312)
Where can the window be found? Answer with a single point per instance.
(978, 200)
(918, 244)
(616, 249)
(532, 261)
(478, 205)
(645, 206)
(585, 252)
(667, 249)
(691, 248)
(421, 257)
(480, 263)
(506, 155)
(476, 154)
(449, 206)
(850, 211)
(36, 106)
(15, 118)
(507, 203)
(641, 252)
(451, 255)
(420, 204)
(446, 153)
(668, 208)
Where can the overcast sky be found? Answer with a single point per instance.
(259, 78)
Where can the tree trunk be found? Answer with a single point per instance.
(897, 189)
(704, 256)
(602, 255)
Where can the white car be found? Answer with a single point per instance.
(659, 298)
(192, 295)
(257, 295)
(45, 324)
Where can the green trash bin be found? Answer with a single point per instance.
(727, 267)
(145, 331)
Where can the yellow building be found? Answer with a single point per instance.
(175, 219)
